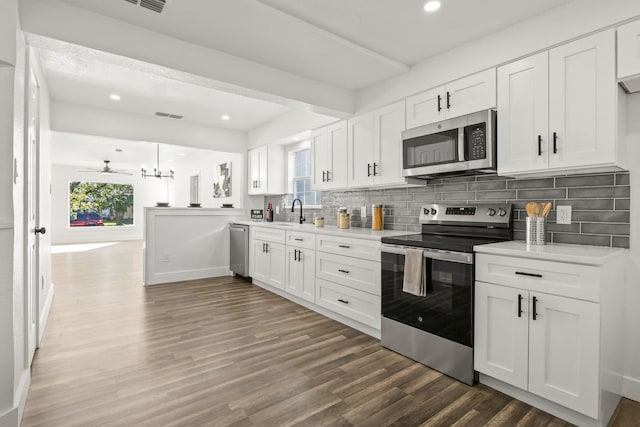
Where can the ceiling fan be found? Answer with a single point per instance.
(107, 170)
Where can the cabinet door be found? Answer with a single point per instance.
(564, 352)
(501, 333)
(307, 261)
(629, 49)
(319, 159)
(426, 107)
(361, 154)
(388, 124)
(523, 115)
(582, 102)
(254, 171)
(295, 272)
(263, 183)
(260, 258)
(338, 154)
(470, 94)
(277, 265)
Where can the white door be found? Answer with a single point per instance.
(582, 102)
(294, 272)
(564, 351)
(338, 155)
(388, 124)
(523, 111)
(629, 49)
(471, 94)
(319, 159)
(254, 171)
(307, 262)
(361, 152)
(33, 229)
(426, 107)
(277, 265)
(501, 333)
(260, 270)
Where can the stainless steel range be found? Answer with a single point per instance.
(435, 326)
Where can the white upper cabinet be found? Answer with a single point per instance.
(582, 102)
(557, 109)
(375, 147)
(329, 157)
(265, 170)
(467, 95)
(629, 54)
(523, 115)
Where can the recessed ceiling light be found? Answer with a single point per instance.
(115, 97)
(432, 6)
(225, 117)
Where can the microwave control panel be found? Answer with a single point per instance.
(476, 141)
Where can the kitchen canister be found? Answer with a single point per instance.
(536, 227)
(376, 217)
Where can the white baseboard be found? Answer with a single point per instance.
(183, 275)
(44, 315)
(631, 388)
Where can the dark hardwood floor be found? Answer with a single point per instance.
(223, 352)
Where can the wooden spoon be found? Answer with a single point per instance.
(532, 209)
(547, 208)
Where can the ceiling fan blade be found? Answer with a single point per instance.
(121, 172)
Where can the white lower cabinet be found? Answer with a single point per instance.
(553, 354)
(301, 265)
(547, 327)
(357, 305)
(269, 263)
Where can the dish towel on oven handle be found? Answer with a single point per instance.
(414, 281)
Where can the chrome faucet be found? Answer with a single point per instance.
(302, 219)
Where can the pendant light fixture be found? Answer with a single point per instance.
(156, 171)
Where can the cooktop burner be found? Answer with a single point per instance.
(458, 227)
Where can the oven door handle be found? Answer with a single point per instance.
(459, 257)
(461, 156)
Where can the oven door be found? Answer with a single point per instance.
(447, 309)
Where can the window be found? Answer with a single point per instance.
(100, 204)
(300, 178)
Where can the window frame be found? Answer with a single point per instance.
(291, 151)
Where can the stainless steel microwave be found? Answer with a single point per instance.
(460, 146)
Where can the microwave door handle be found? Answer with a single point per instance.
(461, 156)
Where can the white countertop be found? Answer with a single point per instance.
(173, 210)
(580, 254)
(331, 230)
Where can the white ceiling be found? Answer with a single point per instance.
(349, 44)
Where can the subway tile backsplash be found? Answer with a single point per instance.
(600, 204)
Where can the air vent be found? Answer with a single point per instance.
(170, 116)
(154, 5)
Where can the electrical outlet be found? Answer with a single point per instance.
(563, 214)
(165, 257)
(277, 209)
(363, 212)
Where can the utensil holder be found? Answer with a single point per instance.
(536, 230)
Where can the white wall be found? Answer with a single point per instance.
(287, 125)
(72, 118)
(147, 191)
(65, 22)
(8, 26)
(553, 27)
(632, 352)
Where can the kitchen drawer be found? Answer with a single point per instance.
(268, 234)
(357, 305)
(359, 274)
(301, 239)
(359, 248)
(557, 278)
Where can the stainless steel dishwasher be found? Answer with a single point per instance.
(239, 249)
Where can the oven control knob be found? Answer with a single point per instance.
(502, 212)
(420, 319)
(433, 211)
(426, 211)
(491, 212)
